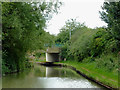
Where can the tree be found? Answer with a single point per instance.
(111, 15)
(68, 29)
(23, 27)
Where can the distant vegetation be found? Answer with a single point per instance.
(95, 52)
(100, 45)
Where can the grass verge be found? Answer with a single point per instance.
(100, 74)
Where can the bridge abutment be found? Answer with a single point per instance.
(52, 55)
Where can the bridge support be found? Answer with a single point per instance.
(52, 57)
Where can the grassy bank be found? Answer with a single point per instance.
(100, 74)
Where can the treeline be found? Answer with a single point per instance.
(23, 25)
(100, 45)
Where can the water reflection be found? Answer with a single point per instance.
(52, 72)
(47, 77)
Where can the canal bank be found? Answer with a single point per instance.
(85, 73)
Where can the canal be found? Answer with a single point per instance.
(47, 77)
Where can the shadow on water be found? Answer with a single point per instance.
(47, 77)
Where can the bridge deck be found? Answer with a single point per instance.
(53, 50)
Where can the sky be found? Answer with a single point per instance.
(85, 11)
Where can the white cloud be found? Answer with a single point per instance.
(83, 10)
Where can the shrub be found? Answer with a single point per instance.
(109, 62)
(81, 41)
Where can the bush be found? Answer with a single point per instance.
(38, 54)
(109, 62)
(64, 52)
(81, 41)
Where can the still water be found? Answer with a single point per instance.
(47, 77)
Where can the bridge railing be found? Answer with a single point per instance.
(53, 45)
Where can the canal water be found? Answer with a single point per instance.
(47, 77)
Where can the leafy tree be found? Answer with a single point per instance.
(81, 41)
(111, 15)
(67, 30)
(23, 30)
(67, 36)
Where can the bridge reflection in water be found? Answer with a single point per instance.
(66, 78)
(52, 72)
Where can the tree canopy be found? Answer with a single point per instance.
(67, 30)
(23, 25)
(111, 15)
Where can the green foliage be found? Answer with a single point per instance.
(112, 46)
(98, 42)
(50, 39)
(108, 62)
(38, 54)
(111, 15)
(67, 30)
(98, 46)
(65, 36)
(103, 42)
(64, 51)
(23, 30)
(88, 44)
(81, 43)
